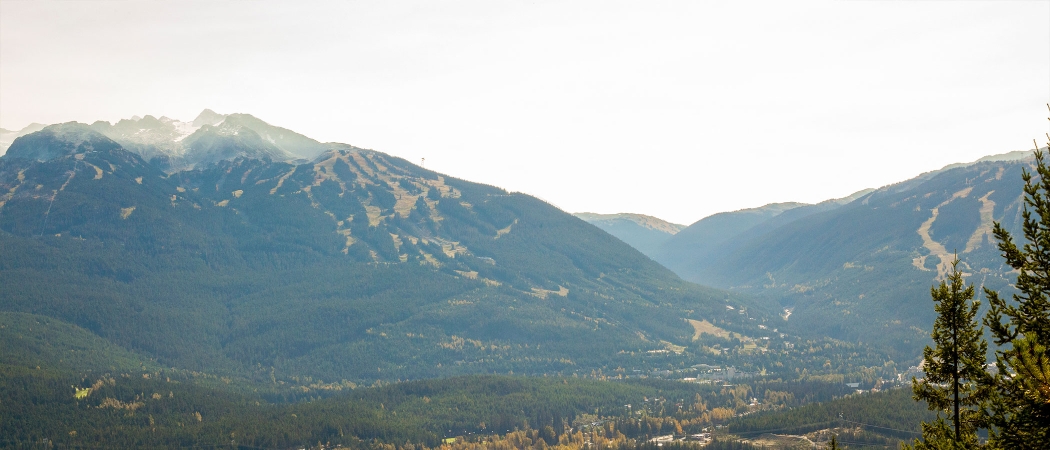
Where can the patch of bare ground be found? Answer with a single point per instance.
(405, 201)
(98, 170)
(543, 293)
(505, 230)
(782, 441)
(445, 190)
(429, 259)
(11, 192)
(678, 349)
(375, 215)
(280, 181)
(703, 326)
(936, 248)
(363, 164)
(451, 248)
(472, 275)
(432, 206)
(345, 232)
(985, 228)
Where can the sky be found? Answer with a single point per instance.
(675, 109)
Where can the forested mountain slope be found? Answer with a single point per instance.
(355, 265)
(862, 270)
(8, 136)
(173, 145)
(645, 233)
(724, 233)
(705, 238)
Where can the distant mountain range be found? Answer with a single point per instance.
(8, 136)
(229, 245)
(173, 145)
(230, 263)
(860, 268)
(645, 233)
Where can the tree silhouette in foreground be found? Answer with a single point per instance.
(956, 379)
(1019, 409)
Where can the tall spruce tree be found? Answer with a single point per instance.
(955, 373)
(1019, 409)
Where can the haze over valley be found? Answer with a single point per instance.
(538, 225)
(226, 248)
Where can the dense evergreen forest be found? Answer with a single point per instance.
(359, 267)
(361, 301)
(169, 409)
(860, 271)
(884, 419)
(70, 388)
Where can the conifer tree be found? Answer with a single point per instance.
(1019, 408)
(834, 443)
(955, 372)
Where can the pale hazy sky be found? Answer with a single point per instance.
(674, 109)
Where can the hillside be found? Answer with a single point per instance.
(159, 408)
(705, 238)
(861, 270)
(32, 340)
(7, 137)
(867, 420)
(645, 233)
(356, 265)
(173, 145)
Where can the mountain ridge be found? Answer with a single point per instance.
(174, 145)
(862, 270)
(650, 222)
(645, 233)
(354, 265)
(772, 251)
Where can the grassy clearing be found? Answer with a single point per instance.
(703, 326)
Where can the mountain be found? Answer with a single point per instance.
(355, 265)
(287, 140)
(645, 233)
(724, 233)
(9, 136)
(148, 136)
(174, 145)
(702, 239)
(227, 141)
(861, 268)
(208, 117)
(60, 141)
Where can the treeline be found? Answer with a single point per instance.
(890, 413)
(164, 409)
(227, 269)
(371, 324)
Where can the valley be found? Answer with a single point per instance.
(171, 284)
(860, 268)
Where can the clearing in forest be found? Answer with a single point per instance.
(703, 326)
